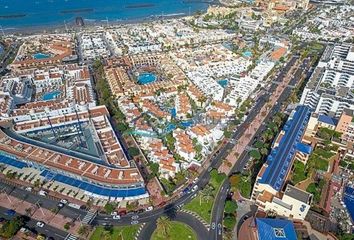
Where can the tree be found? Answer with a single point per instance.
(133, 151)
(154, 168)
(235, 180)
(67, 226)
(164, 225)
(10, 228)
(110, 207)
(230, 207)
(229, 222)
(255, 154)
(83, 230)
(207, 193)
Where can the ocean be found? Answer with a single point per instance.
(17, 14)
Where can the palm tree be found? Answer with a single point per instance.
(207, 193)
(164, 225)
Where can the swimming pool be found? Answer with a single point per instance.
(40, 56)
(173, 112)
(51, 95)
(223, 82)
(146, 78)
(247, 54)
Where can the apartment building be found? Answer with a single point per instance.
(330, 88)
(286, 149)
(346, 125)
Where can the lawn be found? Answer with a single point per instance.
(204, 208)
(178, 231)
(299, 172)
(115, 233)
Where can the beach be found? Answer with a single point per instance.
(30, 16)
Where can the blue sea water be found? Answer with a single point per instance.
(55, 12)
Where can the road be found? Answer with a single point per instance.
(217, 214)
(204, 177)
(48, 230)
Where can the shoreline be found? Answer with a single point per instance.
(70, 25)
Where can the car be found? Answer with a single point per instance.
(42, 193)
(209, 169)
(29, 189)
(213, 225)
(10, 212)
(60, 205)
(195, 180)
(134, 222)
(40, 224)
(135, 217)
(150, 208)
(195, 188)
(114, 213)
(63, 201)
(116, 217)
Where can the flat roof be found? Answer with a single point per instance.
(298, 194)
(280, 158)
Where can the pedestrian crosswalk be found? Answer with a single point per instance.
(71, 237)
(89, 217)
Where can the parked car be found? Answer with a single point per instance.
(150, 208)
(116, 217)
(40, 224)
(10, 212)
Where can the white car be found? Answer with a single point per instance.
(134, 222)
(29, 189)
(114, 213)
(135, 217)
(64, 201)
(40, 224)
(150, 208)
(116, 217)
(195, 188)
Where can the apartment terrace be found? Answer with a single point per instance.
(69, 165)
(109, 142)
(57, 47)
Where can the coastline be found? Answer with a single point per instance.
(71, 26)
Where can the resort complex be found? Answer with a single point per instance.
(205, 120)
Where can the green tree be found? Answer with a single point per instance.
(133, 151)
(255, 154)
(10, 228)
(164, 225)
(229, 222)
(154, 168)
(230, 207)
(110, 207)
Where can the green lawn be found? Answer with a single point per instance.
(128, 233)
(178, 231)
(299, 173)
(204, 208)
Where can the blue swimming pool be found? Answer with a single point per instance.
(173, 112)
(146, 78)
(41, 56)
(247, 54)
(187, 123)
(223, 82)
(51, 95)
(170, 127)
